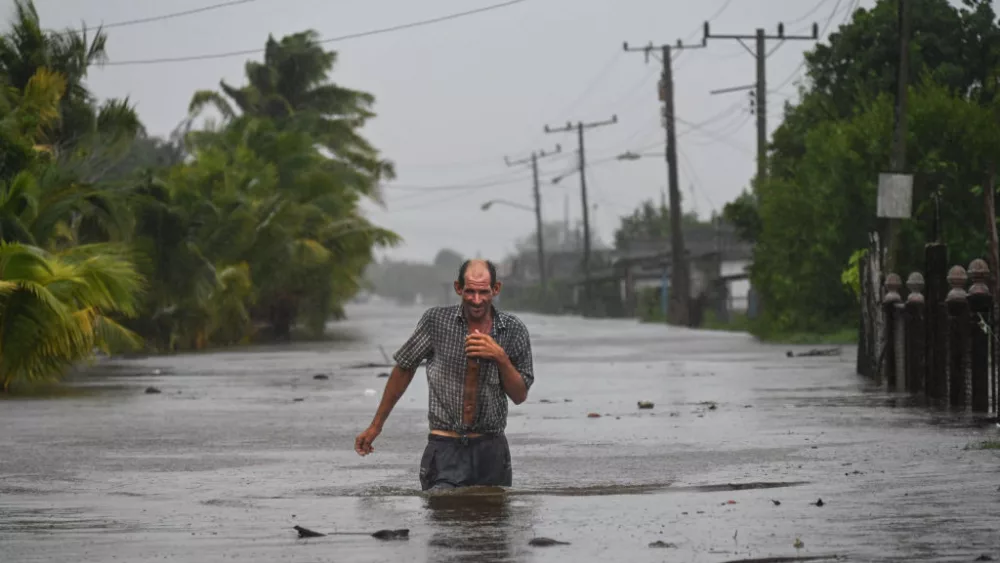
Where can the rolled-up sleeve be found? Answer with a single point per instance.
(520, 356)
(419, 346)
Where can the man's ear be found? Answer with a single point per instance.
(458, 288)
(496, 288)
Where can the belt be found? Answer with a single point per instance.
(464, 439)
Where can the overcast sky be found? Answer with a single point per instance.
(453, 98)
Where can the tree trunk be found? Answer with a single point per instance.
(991, 228)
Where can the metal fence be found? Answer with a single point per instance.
(935, 336)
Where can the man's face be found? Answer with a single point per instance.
(477, 295)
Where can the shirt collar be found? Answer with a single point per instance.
(499, 318)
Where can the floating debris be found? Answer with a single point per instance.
(152, 391)
(814, 353)
(645, 404)
(398, 534)
(307, 533)
(545, 542)
(321, 377)
(593, 415)
(383, 374)
(662, 544)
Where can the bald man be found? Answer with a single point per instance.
(477, 358)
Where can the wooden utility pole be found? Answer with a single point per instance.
(761, 54)
(897, 162)
(679, 306)
(580, 128)
(540, 238)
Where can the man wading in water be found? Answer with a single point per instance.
(477, 357)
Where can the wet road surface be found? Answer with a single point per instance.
(242, 445)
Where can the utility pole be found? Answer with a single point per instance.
(679, 307)
(761, 54)
(543, 275)
(580, 127)
(897, 161)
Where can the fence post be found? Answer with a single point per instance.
(936, 320)
(916, 365)
(981, 305)
(892, 298)
(958, 328)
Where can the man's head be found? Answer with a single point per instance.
(477, 285)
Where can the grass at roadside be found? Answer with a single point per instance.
(740, 323)
(984, 445)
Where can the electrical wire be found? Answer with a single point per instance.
(806, 15)
(168, 16)
(826, 27)
(379, 31)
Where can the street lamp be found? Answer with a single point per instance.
(629, 155)
(490, 203)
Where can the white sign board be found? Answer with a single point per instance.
(895, 196)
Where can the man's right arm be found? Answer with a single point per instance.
(399, 380)
(408, 357)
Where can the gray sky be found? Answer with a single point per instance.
(454, 97)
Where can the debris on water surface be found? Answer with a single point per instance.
(546, 401)
(298, 400)
(984, 557)
(152, 391)
(321, 376)
(798, 544)
(593, 415)
(645, 404)
(307, 533)
(545, 542)
(776, 502)
(662, 544)
(383, 374)
(400, 534)
(814, 353)
(819, 502)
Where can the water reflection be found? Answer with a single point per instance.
(481, 525)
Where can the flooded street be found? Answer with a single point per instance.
(222, 463)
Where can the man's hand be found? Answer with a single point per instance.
(363, 443)
(479, 345)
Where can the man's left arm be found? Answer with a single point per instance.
(517, 371)
(516, 367)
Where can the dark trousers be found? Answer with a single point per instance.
(448, 462)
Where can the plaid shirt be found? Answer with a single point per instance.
(440, 339)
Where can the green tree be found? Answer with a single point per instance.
(56, 308)
(818, 205)
(650, 222)
(88, 134)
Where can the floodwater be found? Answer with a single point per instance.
(242, 445)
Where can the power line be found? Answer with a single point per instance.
(826, 27)
(368, 33)
(806, 15)
(169, 16)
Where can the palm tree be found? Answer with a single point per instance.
(100, 132)
(56, 308)
(291, 87)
